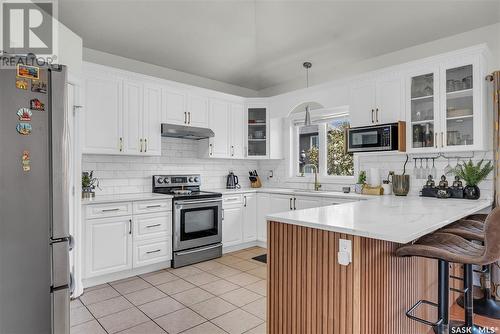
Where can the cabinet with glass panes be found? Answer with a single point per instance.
(257, 131)
(446, 109)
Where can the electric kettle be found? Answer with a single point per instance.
(232, 181)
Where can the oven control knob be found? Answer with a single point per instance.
(191, 179)
(197, 179)
(159, 180)
(165, 180)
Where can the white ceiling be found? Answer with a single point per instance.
(260, 44)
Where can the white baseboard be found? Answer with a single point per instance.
(229, 249)
(93, 281)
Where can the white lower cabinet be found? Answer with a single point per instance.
(108, 245)
(232, 225)
(249, 217)
(126, 239)
(306, 202)
(263, 209)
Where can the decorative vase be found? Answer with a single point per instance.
(88, 192)
(472, 192)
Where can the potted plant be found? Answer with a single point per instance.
(89, 183)
(361, 182)
(472, 174)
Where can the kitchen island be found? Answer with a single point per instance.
(310, 292)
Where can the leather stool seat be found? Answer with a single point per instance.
(469, 229)
(445, 246)
(480, 217)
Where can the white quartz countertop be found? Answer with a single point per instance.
(98, 199)
(390, 218)
(296, 192)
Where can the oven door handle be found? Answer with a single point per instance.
(198, 202)
(198, 249)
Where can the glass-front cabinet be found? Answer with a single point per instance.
(446, 109)
(423, 110)
(257, 131)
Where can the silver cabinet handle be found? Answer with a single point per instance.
(291, 204)
(153, 206)
(140, 141)
(211, 150)
(154, 225)
(232, 150)
(294, 203)
(121, 144)
(376, 115)
(222, 214)
(145, 145)
(442, 139)
(436, 139)
(185, 118)
(372, 116)
(130, 226)
(230, 199)
(189, 119)
(154, 251)
(245, 201)
(110, 210)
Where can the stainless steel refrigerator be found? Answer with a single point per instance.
(34, 229)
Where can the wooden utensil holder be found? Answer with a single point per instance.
(256, 183)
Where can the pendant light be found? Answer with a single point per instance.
(307, 65)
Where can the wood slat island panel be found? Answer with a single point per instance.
(309, 292)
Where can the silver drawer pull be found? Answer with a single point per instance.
(109, 210)
(153, 206)
(231, 199)
(151, 226)
(155, 251)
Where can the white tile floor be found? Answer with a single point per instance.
(225, 295)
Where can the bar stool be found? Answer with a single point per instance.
(472, 228)
(448, 248)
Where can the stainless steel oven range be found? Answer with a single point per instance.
(197, 218)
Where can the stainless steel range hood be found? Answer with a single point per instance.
(186, 132)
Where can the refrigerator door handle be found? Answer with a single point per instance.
(61, 141)
(60, 263)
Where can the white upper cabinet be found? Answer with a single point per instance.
(445, 106)
(122, 113)
(152, 119)
(197, 111)
(377, 101)
(183, 108)
(220, 124)
(134, 112)
(174, 111)
(103, 113)
(237, 116)
(362, 105)
(389, 99)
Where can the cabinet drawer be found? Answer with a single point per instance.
(108, 210)
(153, 225)
(232, 199)
(152, 251)
(152, 206)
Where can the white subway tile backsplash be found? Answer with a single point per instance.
(130, 174)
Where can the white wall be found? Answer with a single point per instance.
(127, 174)
(488, 34)
(70, 50)
(108, 59)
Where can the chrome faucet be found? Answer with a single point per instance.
(317, 185)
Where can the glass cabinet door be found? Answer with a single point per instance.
(257, 132)
(459, 120)
(422, 111)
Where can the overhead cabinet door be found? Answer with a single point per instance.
(102, 114)
(174, 110)
(197, 108)
(237, 131)
(133, 110)
(152, 120)
(219, 123)
(362, 106)
(390, 100)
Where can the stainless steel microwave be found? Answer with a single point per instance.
(383, 137)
